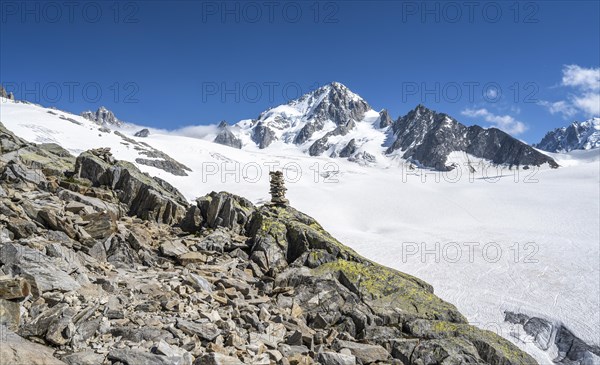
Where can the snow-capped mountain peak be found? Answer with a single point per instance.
(577, 136)
(318, 121)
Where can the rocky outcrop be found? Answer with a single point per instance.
(147, 281)
(577, 136)
(103, 117)
(156, 158)
(427, 138)
(226, 137)
(143, 133)
(555, 338)
(384, 119)
(307, 131)
(219, 210)
(349, 149)
(169, 165)
(143, 196)
(263, 136)
(321, 145)
(16, 350)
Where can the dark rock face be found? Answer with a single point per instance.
(263, 136)
(384, 119)
(3, 93)
(427, 137)
(338, 106)
(226, 137)
(142, 195)
(577, 136)
(307, 131)
(321, 145)
(546, 334)
(142, 133)
(349, 149)
(222, 210)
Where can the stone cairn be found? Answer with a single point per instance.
(104, 154)
(278, 189)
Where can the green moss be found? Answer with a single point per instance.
(74, 180)
(388, 290)
(47, 162)
(490, 346)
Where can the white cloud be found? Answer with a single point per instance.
(503, 122)
(197, 131)
(584, 99)
(563, 107)
(588, 102)
(579, 77)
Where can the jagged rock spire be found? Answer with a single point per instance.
(278, 189)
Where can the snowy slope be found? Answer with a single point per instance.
(528, 239)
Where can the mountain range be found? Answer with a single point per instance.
(577, 136)
(335, 122)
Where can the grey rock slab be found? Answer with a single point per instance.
(37, 268)
(333, 358)
(16, 350)
(138, 357)
(205, 330)
(217, 359)
(366, 353)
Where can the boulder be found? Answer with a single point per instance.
(144, 196)
(142, 133)
(225, 210)
(173, 248)
(333, 358)
(41, 271)
(205, 330)
(366, 353)
(217, 359)
(16, 350)
(84, 358)
(138, 357)
(192, 222)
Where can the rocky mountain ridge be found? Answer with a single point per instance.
(427, 138)
(577, 136)
(336, 122)
(103, 264)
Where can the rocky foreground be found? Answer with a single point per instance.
(102, 264)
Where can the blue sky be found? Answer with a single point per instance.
(526, 67)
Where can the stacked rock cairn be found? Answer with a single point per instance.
(278, 189)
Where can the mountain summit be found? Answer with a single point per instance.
(323, 109)
(103, 117)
